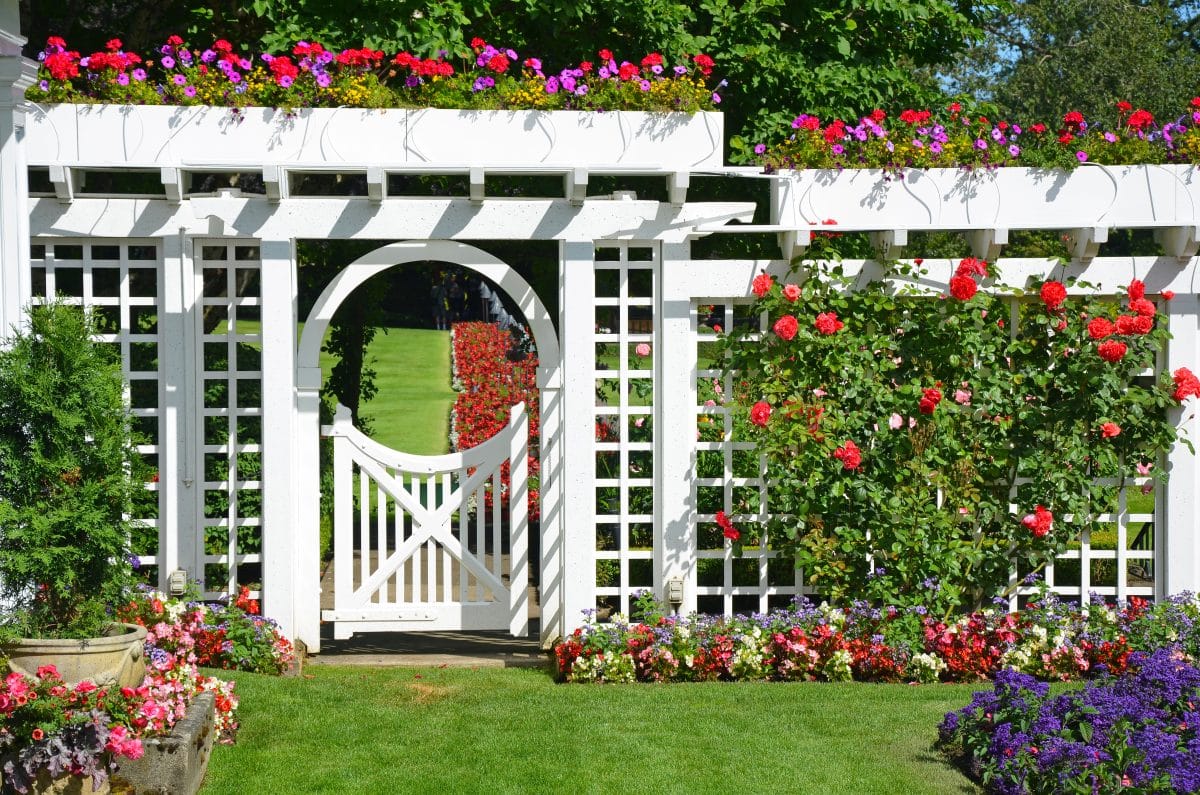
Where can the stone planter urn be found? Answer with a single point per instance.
(117, 658)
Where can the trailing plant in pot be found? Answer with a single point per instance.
(69, 481)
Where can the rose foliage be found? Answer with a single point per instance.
(1049, 639)
(897, 444)
(1135, 732)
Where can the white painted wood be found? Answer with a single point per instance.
(16, 74)
(577, 290)
(284, 564)
(434, 554)
(675, 421)
(392, 218)
(1178, 505)
(124, 135)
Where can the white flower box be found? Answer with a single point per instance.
(101, 136)
(1006, 198)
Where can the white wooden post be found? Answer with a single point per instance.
(550, 585)
(577, 288)
(16, 74)
(1179, 543)
(282, 558)
(518, 514)
(675, 421)
(181, 536)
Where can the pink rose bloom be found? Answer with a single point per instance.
(642, 349)
(895, 421)
(962, 396)
(791, 292)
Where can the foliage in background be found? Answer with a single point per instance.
(69, 477)
(1039, 56)
(899, 427)
(1049, 639)
(1136, 732)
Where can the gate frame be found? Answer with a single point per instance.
(307, 410)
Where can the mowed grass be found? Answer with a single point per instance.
(514, 730)
(411, 410)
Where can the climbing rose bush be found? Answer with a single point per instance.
(901, 428)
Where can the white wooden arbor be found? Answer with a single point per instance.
(200, 293)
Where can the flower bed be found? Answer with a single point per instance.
(1049, 640)
(490, 383)
(1132, 732)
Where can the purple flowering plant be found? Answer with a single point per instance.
(1134, 732)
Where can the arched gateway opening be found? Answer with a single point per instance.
(424, 543)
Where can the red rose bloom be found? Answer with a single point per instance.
(971, 267)
(1143, 307)
(786, 327)
(828, 323)
(929, 400)
(1111, 350)
(1142, 324)
(1100, 327)
(760, 413)
(1167, 294)
(762, 284)
(37, 735)
(1110, 429)
(1039, 522)
(1053, 294)
(727, 528)
(1186, 384)
(962, 287)
(1137, 289)
(1125, 324)
(849, 455)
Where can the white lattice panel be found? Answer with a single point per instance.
(624, 447)
(230, 324)
(118, 282)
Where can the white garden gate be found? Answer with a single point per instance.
(438, 547)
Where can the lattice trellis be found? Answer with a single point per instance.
(118, 282)
(231, 391)
(730, 476)
(624, 448)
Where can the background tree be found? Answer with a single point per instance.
(1040, 58)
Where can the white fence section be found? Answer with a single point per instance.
(430, 542)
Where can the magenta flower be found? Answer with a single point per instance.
(167, 62)
(1014, 150)
(1081, 156)
(179, 80)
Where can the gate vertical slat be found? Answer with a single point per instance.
(364, 527)
(447, 565)
(343, 517)
(518, 509)
(381, 507)
(497, 523)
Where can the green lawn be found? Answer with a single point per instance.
(411, 411)
(515, 730)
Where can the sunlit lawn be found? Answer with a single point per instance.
(515, 730)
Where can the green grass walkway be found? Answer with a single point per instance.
(514, 730)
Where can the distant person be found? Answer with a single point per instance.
(456, 299)
(437, 297)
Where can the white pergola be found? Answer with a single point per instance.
(231, 404)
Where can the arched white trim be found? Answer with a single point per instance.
(470, 257)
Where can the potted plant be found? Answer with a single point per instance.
(69, 481)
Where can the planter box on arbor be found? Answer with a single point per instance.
(1006, 198)
(102, 136)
